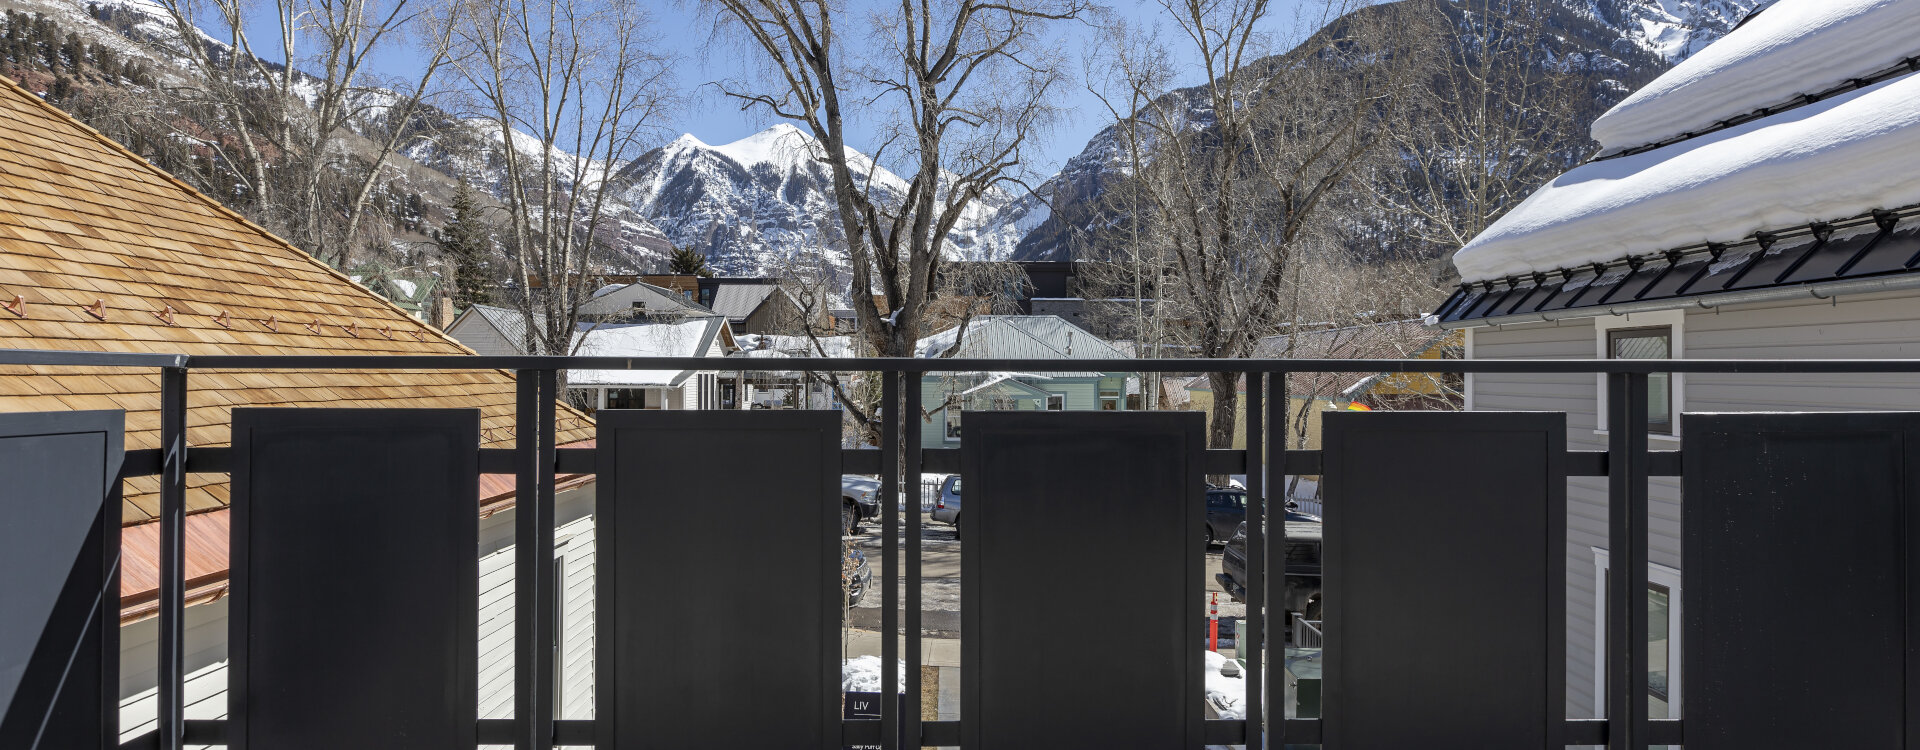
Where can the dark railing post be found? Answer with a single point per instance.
(533, 585)
(893, 420)
(910, 724)
(1253, 633)
(170, 717)
(1626, 594)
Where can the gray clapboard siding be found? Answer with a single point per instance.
(1871, 327)
(1586, 496)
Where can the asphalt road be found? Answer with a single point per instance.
(940, 581)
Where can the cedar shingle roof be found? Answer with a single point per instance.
(83, 219)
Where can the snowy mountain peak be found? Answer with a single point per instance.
(782, 145)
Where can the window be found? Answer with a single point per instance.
(1109, 399)
(627, 398)
(1663, 638)
(1649, 335)
(1056, 402)
(1649, 343)
(954, 405)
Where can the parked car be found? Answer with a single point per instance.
(1302, 592)
(857, 574)
(946, 505)
(1227, 509)
(859, 501)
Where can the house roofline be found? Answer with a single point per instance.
(1820, 291)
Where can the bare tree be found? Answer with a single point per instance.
(350, 32)
(227, 76)
(291, 122)
(1501, 115)
(580, 79)
(1236, 178)
(960, 86)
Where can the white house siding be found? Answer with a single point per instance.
(1868, 327)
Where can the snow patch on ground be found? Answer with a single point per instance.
(1832, 160)
(1227, 694)
(861, 674)
(1795, 47)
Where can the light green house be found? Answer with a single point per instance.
(946, 396)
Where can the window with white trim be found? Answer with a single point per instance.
(952, 412)
(1663, 638)
(1659, 334)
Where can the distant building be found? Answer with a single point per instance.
(759, 305)
(946, 396)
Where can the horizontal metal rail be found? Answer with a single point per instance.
(216, 459)
(579, 732)
(936, 366)
(577, 461)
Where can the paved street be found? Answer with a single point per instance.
(940, 582)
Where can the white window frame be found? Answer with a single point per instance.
(1658, 574)
(948, 418)
(1056, 402)
(1675, 321)
(1467, 339)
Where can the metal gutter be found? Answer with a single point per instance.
(1822, 291)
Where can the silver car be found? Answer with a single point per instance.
(946, 505)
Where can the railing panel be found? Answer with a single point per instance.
(718, 579)
(1110, 505)
(59, 540)
(355, 577)
(1445, 586)
(1801, 513)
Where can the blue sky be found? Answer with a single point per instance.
(684, 34)
(715, 121)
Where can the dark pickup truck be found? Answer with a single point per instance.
(1302, 592)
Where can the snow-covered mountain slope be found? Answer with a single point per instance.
(1672, 29)
(1619, 43)
(763, 205)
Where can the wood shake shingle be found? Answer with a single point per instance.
(109, 253)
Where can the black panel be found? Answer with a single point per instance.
(1445, 585)
(1800, 513)
(59, 598)
(355, 576)
(1109, 507)
(718, 579)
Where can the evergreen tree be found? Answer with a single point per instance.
(687, 260)
(74, 52)
(466, 242)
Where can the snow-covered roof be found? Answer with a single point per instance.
(1793, 48)
(1830, 160)
(765, 345)
(1020, 337)
(687, 338)
(739, 300)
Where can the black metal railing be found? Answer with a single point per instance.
(1626, 463)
